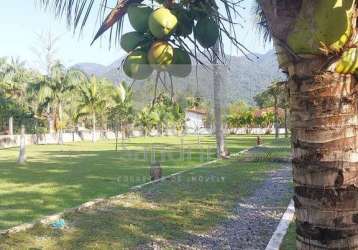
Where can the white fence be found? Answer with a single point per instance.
(8, 141)
(255, 131)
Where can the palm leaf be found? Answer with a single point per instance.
(261, 22)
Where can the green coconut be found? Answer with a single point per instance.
(181, 65)
(348, 63)
(322, 24)
(132, 40)
(138, 15)
(162, 23)
(136, 65)
(160, 55)
(206, 32)
(185, 22)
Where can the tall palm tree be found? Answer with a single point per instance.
(53, 90)
(121, 110)
(15, 79)
(315, 42)
(92, 100)
(146, 119)
(6, 87)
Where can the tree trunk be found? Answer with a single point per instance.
(220, 143)
(117, 136)
(286, 125)
(22, 151)
(50, 120)
(325, 136)
(94, 139)
(276, 117)
(11, 125)
(60, 131)
(324, 124)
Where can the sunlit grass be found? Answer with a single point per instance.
(172, 210)
(58, 177)
(289, 242)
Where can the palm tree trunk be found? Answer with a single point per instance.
(220, 143)
(22, 151)
(11, 125)
(276, 117)
(60, 132)
(50, 120)
(117, 136)
(325, 136)
(286, 125)
(94, 127)
(324, 108)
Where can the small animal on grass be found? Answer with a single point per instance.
(155, 171)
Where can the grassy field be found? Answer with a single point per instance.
(289, 242)
(173, 210)
(58, 177)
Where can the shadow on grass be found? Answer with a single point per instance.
(58, 177)
(176, 209)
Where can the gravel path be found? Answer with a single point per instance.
(255, 218)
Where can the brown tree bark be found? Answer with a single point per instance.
(325, 157)
(217, 82)
(324, 124)
(276, 116)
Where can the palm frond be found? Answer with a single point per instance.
(261, 22)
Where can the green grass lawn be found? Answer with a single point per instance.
(289, 242)
(172, 210)
(58, 177)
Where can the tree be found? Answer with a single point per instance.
(163, 112)
(7, 90)
(45, 51)
(15, 79)
(146, 119)
(121, 110)
(315, 43)
(92, 100)
(274, 96)
(52, 90)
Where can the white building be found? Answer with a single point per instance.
(195, 120)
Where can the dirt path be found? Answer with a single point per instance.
(255, 218)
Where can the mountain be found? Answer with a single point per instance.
(243, 78)
(91, 68)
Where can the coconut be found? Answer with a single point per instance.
(160, 55)
(348, 63)
(185, 22)
(162, 23)
(136, 65)
(181, 66)
(206, 32)
(132, 40)
(138, 15)
(322, 23)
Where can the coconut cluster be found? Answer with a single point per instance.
(150, 46)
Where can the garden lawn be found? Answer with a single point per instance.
(165, 213)
(58, 177)
(289, 242)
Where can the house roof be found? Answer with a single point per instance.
(197, 111)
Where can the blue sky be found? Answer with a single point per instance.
(21, 20)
